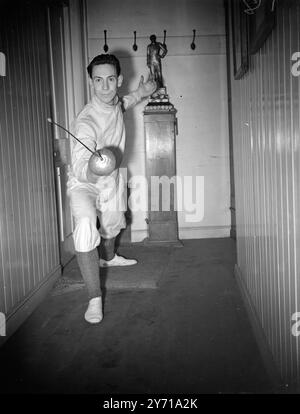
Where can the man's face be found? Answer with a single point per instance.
(106, 82)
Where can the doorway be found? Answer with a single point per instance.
(65, 44)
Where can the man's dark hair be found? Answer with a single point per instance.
(104, 60)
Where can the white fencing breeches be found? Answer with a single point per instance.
(88, 202)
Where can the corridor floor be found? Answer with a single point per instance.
(189, 334)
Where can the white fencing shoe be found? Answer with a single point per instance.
(94, 312)
(117, 261)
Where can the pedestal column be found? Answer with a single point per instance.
(160, 126)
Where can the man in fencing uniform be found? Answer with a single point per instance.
(100, 124)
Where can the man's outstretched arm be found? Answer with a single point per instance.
(145, 89)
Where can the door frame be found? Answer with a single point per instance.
(74, 49)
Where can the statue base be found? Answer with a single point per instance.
(160, 126)
(159, 101)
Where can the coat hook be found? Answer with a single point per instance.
(105, 48)
(164, 42)
(134, 47)
(193, 46)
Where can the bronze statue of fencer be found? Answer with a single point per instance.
(155, 52)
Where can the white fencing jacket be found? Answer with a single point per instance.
(98, 125)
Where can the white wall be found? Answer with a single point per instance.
(196, 83)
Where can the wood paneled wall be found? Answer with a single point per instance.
(28, 226)
(266, 130)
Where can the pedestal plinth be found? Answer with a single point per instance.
(160, 126)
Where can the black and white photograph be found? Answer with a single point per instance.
(150, 202)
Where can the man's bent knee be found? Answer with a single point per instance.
(86, 236)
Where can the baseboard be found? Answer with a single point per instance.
(265, 351)
(205, 232)
(186, 233)
(162, 243)
(24, 309)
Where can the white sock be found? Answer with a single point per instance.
(94, 312)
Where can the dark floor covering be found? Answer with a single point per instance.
(190, 334)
